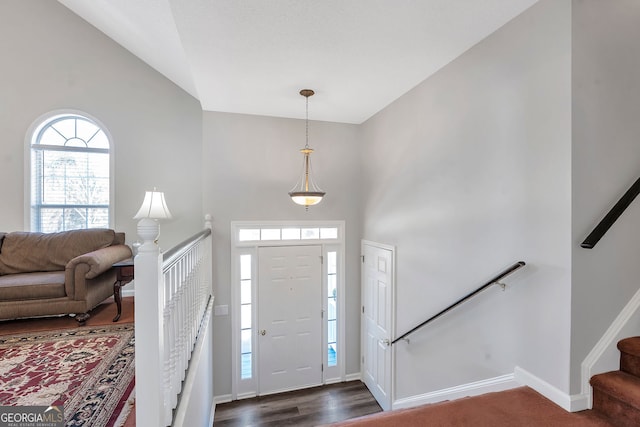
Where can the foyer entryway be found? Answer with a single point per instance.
(270, 266)
(290, 318)
(303, 408)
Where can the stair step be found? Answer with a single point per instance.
(630, 355)
(616, 394)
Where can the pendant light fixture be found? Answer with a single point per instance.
(306, 192)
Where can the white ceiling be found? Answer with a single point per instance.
(254, 56)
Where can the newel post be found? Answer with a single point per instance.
(149, 334)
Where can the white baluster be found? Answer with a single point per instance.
(167, 368)
(186, 291)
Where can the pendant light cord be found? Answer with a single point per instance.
(306, 145)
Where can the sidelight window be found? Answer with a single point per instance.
(332, 304)
(245, 317)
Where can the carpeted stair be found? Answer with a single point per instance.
(616, 394)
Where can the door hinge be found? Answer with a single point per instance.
(322, 314)
(321, 259)
(363, 309)
(322, 367)
(362, 258)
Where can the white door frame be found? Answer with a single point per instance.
(391, 309)
(241, 389)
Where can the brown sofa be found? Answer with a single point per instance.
(46, 274)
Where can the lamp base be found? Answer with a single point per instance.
(149, 231)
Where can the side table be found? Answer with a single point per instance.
(124, 274)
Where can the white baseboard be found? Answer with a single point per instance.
(223, 398)
(571, 403)
(580, 402)
(503, 382)
(353, 377)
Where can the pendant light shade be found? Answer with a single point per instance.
(306, 192)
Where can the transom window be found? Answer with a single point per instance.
(287, 233)
(70, 174)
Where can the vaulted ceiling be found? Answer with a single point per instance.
(254, 56)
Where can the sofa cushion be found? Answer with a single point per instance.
(25, 252)
(30, 286)
(118, 239)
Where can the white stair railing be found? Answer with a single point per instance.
(173, 294)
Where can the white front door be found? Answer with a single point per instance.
(377, 306)
(289, 318)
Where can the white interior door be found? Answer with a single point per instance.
(377, 303)
(289, 318)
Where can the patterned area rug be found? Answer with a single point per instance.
(90, 371)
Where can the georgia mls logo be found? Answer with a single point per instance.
(31, 416)
(55, 410)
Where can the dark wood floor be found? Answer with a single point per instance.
(309, 407)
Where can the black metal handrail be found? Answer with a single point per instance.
(612, 216)
(495, 280)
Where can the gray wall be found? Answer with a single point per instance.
(250, 163)
(466, 174)
(606, 161)
(52, 60)
(513, 151)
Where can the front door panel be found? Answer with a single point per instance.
(289, 318)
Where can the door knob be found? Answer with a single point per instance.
(385, 342)
(263, 332)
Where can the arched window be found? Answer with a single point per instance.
(70, 174)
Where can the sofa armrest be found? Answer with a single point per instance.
(100, 260)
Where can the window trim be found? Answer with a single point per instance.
(32, 131)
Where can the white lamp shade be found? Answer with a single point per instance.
(306, 198)
(154, 206)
